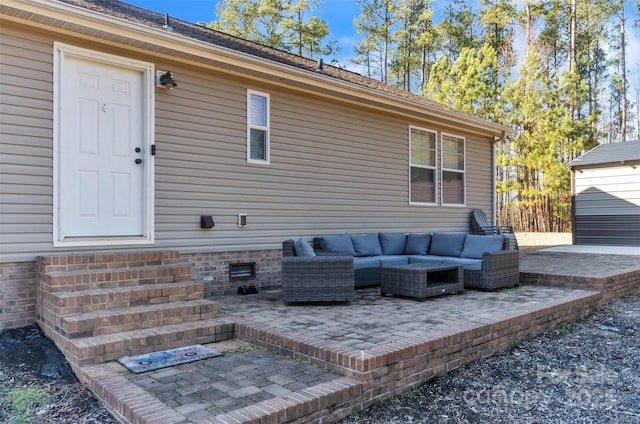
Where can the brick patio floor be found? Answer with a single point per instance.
(325, 361)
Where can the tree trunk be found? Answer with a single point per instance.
(623, 72)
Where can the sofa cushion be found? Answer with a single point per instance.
(417, 244)
(467, 263)
(366, 262)
(475, 245)
(392, 243)
(426, 259)
(301, 247)
(393, 260)
(338, 243)
(447, 244)
(367, 245)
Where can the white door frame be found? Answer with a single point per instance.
(61, 51)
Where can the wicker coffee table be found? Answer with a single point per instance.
(421, 280)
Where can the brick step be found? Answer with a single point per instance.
(77, 280)
(97, 323)
(75, 302)
(110, 347)
(48, 264)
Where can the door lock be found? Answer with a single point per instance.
(138, 150)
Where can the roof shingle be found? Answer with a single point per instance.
(609, 153)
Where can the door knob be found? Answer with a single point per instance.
(138, 161)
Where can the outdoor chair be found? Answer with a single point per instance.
(325, 277)
(481, 225)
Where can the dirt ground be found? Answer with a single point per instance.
(37, 385)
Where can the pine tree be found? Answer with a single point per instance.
(237, 17)
(406, 55)
(304, 35)
(497, 18)
(427, 41)
(375, 23)
(281, 24)
(468, 84)
(458, 28)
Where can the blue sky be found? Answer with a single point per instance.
(338, 13)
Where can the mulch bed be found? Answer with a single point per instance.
(587, 372)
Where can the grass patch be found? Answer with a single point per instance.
(24, 402)
(565, 330)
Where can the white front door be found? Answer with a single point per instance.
(103, 149)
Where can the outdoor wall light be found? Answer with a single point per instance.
(165, 79)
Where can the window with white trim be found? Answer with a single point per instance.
(422, 164)
(453, 170)
(257, 127)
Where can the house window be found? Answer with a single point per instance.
(257, 127)
(453, 170)
(422, 160)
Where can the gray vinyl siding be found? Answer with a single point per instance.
(611, 190)
(334, 167)
(26, 124)
(607, 206)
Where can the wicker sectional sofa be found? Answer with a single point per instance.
(487, 260)
(316, 276)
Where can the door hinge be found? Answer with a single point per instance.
(153, 150)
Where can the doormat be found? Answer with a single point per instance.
(167, 358)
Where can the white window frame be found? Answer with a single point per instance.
(266, 128)
(434, 167)
(463, 171)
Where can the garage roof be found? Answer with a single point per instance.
(620, 153)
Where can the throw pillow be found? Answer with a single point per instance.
(417, 244)
(302, 248)
(447, 244)
(476, 245)
(392, 243)
(367, 245)
(339, 243)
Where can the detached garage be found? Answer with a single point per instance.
(606, 195)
